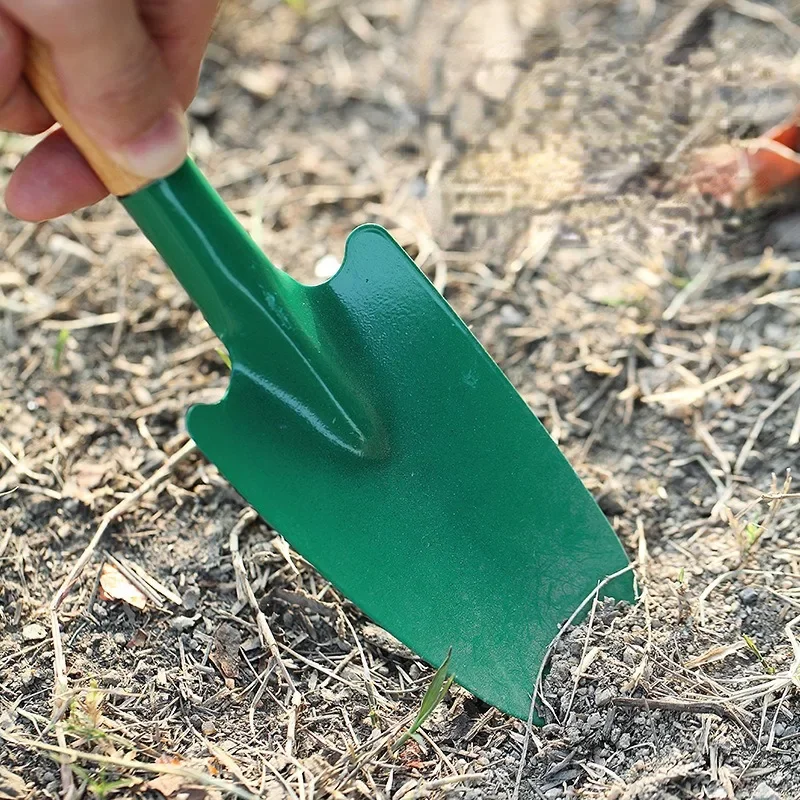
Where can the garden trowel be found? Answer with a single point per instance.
(366, 424)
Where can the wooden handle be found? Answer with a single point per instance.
(41, 76)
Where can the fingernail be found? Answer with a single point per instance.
(161, 150)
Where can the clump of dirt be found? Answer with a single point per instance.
(531, 157)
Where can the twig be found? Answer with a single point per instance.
(695, 286)
(6, 539)
(161, 769)
(685, 707)
(245, 592)
(538, 688)
(701, 608)
(421, 789)
(111, 515)
(761, 421)
(794, 436)
(578, 672)
(676, 28)
(768, 14)
(60, 682)
(372, 692)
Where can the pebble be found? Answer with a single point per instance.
(630, 656)
(121, 639)
(326, 267)
(511, 315)
(181, 623)
(748, 596)
(190, 598)
(604, 696)
(34, 632)
(208, 727)
(764, 792)
(624, 741)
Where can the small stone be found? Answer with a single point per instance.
(602, 697)
(554, 793)
(748, 596)
(784, 233)
(764, 792)
(495, 81)
(34, 632)
(121, 639)
(327, 267)
(264, 81)
(624, 741)
(208, 727)
(611, 503)
(181, 623)
(204, 106)
(511, 315)
(191, 597)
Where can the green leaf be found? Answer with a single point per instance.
(223, 354)
(754, 647)
(61, 343)
(434, 695)
(751, 531)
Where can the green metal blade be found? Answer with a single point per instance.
(369, 427)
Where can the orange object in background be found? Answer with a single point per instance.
(743, 174)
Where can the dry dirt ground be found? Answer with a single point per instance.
(530, 157)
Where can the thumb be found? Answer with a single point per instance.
(113, 79)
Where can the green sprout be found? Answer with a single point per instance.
(223, 354)
(752, 532)
(770, 670)
(99, 784)
(433, 696)
(61, 344)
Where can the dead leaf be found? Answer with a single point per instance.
(715, 654)
(177, 786)
(84, 477)
(12, 787)
(225, 654)
(168, 785)
(115, 586)
(588, 660)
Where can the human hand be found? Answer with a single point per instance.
(128, 69)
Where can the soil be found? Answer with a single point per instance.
(532, 158)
